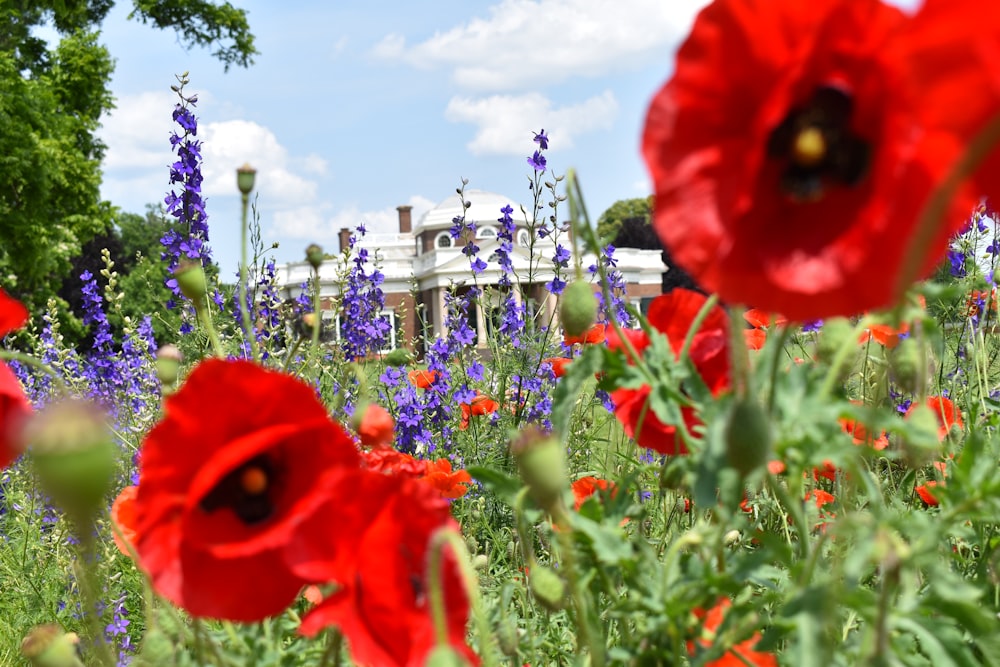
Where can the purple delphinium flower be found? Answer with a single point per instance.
(364, 329)
(541, 140)
(189, 236)
(957, 260)
(537, 161)
(815, 325)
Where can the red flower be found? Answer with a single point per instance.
(392, 462)
(376, 427)
(739, 655)
(585, 487)
(123, 516)
(450, 484)
(592, 336)
(673, 314)
(797, 144)
(480, 405)
(761, 319)
(944, 409)
(14, 406)
(924, 491)
(755, 338)
(819, 497)
(861, 436)
(828, 471)
(558, 365)
(422, 379)
(242, 457)
(379, 558)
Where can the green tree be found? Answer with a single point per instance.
(51, 102)
(611, 220)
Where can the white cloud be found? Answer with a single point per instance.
(139, 154)
(320, 224)
(523, 43)
(502, 119)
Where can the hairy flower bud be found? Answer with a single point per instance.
(191, 281)
(49, 646)
(541, 459)
(577, 308)
(74, 456)
(314, 255)
(168, 364)
(748, 436)
(445, 656)
(547, 587)
(906, 365)
(245, 176)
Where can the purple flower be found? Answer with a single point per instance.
(957, 259)
(537, 161)
(542, 141)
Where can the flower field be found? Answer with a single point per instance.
(796, 464)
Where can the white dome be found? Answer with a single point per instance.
(485, 210)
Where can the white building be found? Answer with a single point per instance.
(421, 263)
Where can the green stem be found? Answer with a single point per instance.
(38, 364)
(589, 635)
(248, 331)
(206, 321)
(435, 591)
(86, 572)
(332, 649)
(833, 376)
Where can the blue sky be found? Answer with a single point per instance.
(352, 108)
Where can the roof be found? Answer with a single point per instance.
(485, 209)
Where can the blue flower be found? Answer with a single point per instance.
(537, 161)
(542, 141)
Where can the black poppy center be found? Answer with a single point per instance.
(817, 147)
(246, 491)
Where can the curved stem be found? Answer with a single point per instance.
(245, 308)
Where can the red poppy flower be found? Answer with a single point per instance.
(450, 484)
(558, 364)
(241, 458)
(755, 338)
(592, 336)
(828, 471)
(981, 300)
(762, 319)
(376, 427)
(673, 314)
(585, 487)
(480, 405)
(123, 516)
(944, 409)
(924, 491)
(379, 558)
(796, 145)
(422, 379)
(776, 467)
(819, 497)
(861, 436)
(738, 656)
(14, 406)
(392, 462)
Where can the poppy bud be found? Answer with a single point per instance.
(245, 177)
(480, 562)
(578, 308)
(48, 646)
(507, 637)
(445, 656)
(547, 587)
(732, 538)
(920, 442)
(74, 455)
(748, 436)
(905, 363)
(168, 364)
(191, 281)
(374, 425)
(542, 462)
(314, 255)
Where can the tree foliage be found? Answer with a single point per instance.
(52, 97)
(624, 209)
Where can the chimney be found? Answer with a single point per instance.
(345, 238)
(405, 221)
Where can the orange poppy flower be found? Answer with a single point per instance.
(124, 518)
(924, 491)
(741, 654)
(820, 497)
(947, 414)
(558, 365)
(480, 405)
(451, 484)
(422, 379)
(776, 467)
(592, 336)
(861, 436)
(762, 319)
(755, 338)
(376, 427)
(585, 487)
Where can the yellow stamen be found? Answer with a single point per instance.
(810, 147)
